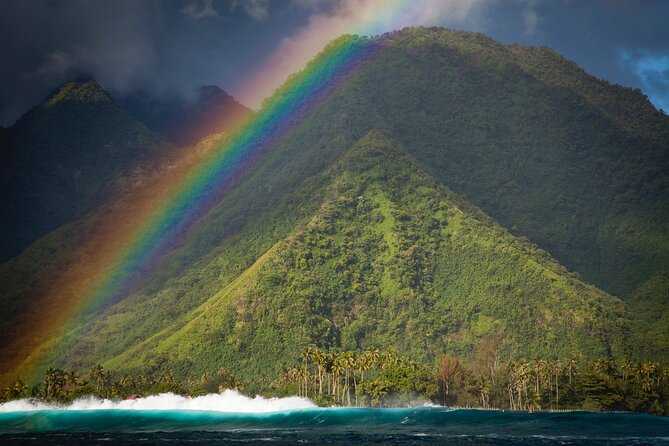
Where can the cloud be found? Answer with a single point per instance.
(531, 20)
(256, 9)
(653, 73)
(58, 64)
(152, 45)
(49, 43)
(368, 17)
(311, 4)
(193, 13)
(116, 67)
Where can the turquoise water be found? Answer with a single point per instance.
(336, 426)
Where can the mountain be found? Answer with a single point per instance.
(385, 256)
(184, 120)
(396, 237)
(64, 157)
(389, 258)
(573, 163)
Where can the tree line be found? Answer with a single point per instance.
(555, 384)
(374, 378)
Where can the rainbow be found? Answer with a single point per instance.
(144, 225)
(131, 235)
(202, 187)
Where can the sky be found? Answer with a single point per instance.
(248, 47)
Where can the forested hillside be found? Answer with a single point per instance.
(185, 120)
(388, 259)
(64, 158)
(503, 163)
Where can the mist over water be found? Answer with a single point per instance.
(232, 418)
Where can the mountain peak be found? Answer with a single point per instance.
(89, 91)
(372, 145)
(212, 92)
(186, 120)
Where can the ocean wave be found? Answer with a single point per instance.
(227, 401)
(231, 412)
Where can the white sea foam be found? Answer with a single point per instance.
(227, 401)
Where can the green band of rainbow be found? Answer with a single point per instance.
(204, 187)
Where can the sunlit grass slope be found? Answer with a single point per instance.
(559, 158)
(389, 258)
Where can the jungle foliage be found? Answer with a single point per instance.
(64, 158)
(388, 257)
(374, 378)
(397, 238)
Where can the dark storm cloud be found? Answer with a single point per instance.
(47, 43)
(195, 12)
(170, 47)
(166, 47)
(596, 34)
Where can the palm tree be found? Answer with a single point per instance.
(605, 367)
(338, 368)
(521, 377)
(167, 378)
(319, 358)
(70, 380)
(290, 376)
(627, 368)
(298, 377)
(511, 368)
(18, 389)
(373, 355)
(127, 382)
(389, 358)
(557, 368)
(650, 375)
(53, 383)
(307, 354)
(359, 366)
(571, 367)
(364, 362)
(349, 361)
(97, 375)
(449, 370)
(484, 391)
(329, 363)
(663, 375)
(538, 375)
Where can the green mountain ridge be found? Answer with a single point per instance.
(185, 121)
(389, 258)
(573, 164)
(64, 158)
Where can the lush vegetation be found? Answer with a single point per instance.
(370, 377)
(64, 158)
(349, 249)
(388, 257)
(374, 378)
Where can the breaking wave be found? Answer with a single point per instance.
(232, 416)
(227, 401)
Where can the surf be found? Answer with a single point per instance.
(233, 414)
(226, 401)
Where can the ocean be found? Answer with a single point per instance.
(231, 419)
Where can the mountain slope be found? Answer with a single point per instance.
(185, 121)
(389, 258)
(66, 156)
(575, 164)
(550, 161)
(535, 156)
